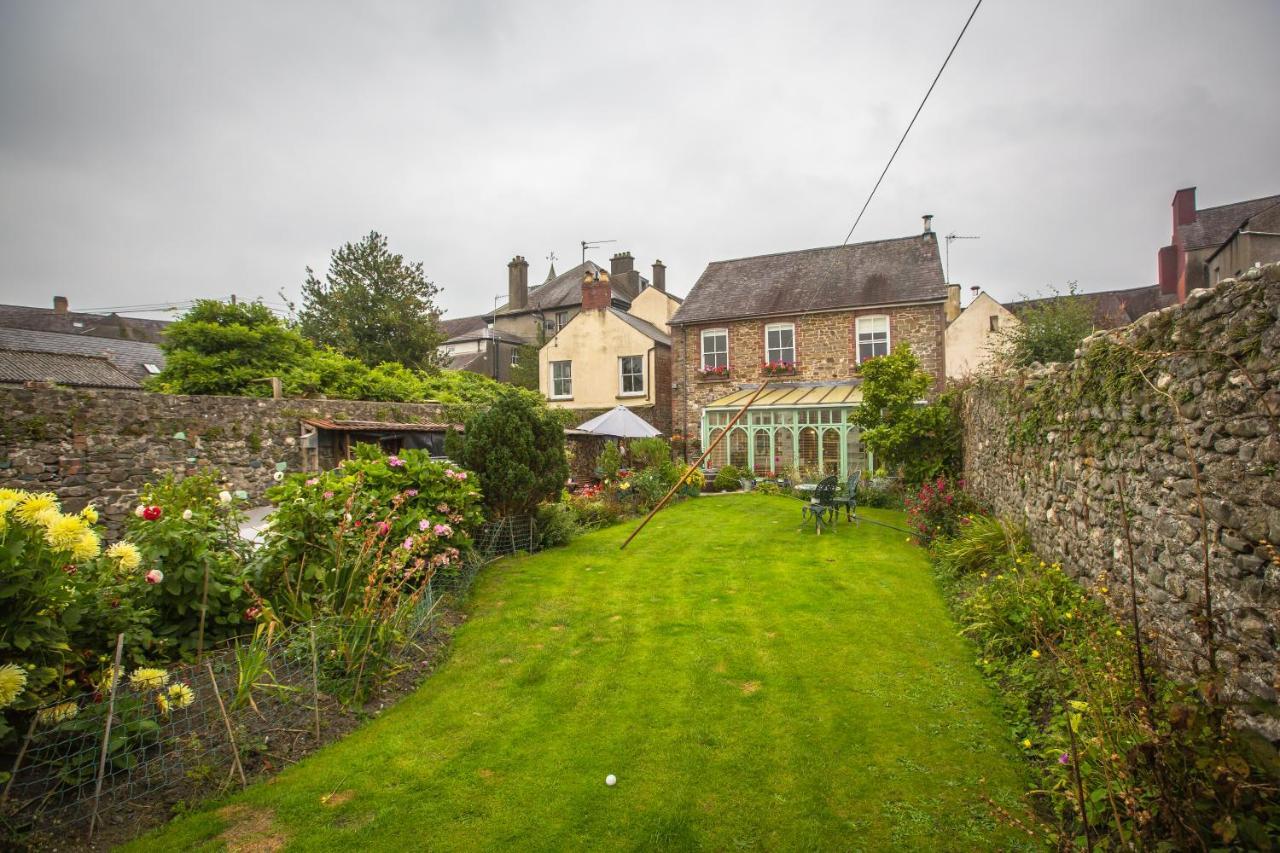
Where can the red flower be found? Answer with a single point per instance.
(152, 513)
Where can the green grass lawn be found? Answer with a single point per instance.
(750, 684)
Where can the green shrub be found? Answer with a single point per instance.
(649, 452)
(936, 509)
(768, 487)
(610, 461)
(557, 524)
(651, 484)
(980, 542)
(728, 479)
(517, 449)
(879, 493)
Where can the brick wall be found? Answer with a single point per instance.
(826, 349)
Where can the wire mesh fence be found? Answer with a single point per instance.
(125, 753)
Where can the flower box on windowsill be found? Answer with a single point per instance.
(779, 368)
(714, 374)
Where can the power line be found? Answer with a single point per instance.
(937, 77)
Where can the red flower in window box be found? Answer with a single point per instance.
(778, 368)
(714, 371)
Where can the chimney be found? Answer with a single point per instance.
(60, 305)
(928, 223)
(1184, 207)
(973, 292)
(659, 281)
(517, 284)
(621, 264)
(597, 293)
(953, 302)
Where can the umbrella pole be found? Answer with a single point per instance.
(690, 469)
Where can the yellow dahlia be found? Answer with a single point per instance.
(162, 703)
(148, 678)
(109, 679)
(57, 714)
(63, 532)
(13, 679)
(87, 546)
(90, 514)
(126, 555)
(181, 695)
(32, 505)
(11, 495)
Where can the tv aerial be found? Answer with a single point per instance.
(592, 244)
(954, 236)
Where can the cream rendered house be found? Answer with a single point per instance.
(973, 336)
(612, 353)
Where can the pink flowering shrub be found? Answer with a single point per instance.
(938, 510)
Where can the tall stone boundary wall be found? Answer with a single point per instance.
(1190, 392)
(103, 446)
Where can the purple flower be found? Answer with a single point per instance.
(413, 493)
(328, 495)
(408, 543)
(1064, 759)
(311, 481)
(442, 530)
(424, 523)
(395, 461)
(384, 528)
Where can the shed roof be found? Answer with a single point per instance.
(794, 394)
(377, 426)
(131, 357)
(62, 369)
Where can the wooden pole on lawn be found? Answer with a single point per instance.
(689, 470)
(236, 766)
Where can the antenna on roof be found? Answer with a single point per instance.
(591, 244)
(954, 236)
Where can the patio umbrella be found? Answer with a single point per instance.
(619, 422)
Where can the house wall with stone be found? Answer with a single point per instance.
(826, 349)
(103, 446)
(1178, 411)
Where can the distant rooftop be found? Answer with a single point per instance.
(61, 319)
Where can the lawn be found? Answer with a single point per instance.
(750, 684)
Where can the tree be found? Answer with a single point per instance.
(906, 434)
(516, 447)
(374, 306)
(1049, 329)
(524, 373)
(226, 348)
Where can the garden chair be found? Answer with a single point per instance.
(821, 507)
(850, 499)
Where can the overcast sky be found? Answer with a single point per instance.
(173, 150)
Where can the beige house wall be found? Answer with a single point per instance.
(970, 342)
(655, 307)
(594, 341)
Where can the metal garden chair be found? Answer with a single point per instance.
(850, 498)
(821, 507)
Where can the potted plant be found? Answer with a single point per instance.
(713, 371)
(778, 368)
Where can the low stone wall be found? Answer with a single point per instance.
(100, 445)
(1179, 413)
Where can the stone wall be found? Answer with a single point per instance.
(100, 445)
(826, 349)
(1179, 410)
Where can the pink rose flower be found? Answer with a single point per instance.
(328, 495)
(424, 523)
(413, 493)
(408, 543)
(442, 530)
(383, 528)
(154, 576)
(311, 481)
(395, 461)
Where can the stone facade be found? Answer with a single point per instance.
(1180, 411)
(826, 349)
(99, 445)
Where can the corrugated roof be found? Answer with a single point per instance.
(129, 356)
(85, 371)
(794, 394)
(1215, 225)
(881, 272)
(377, 426)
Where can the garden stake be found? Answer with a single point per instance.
(1133, 594)
(17, 762)
(204, 608)
(315, 681)
(689, 470)
(1075, 771)
(116, 675)
(235, 750)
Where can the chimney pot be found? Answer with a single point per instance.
(597, 293)
(60, 305)
(973, 291)
(659, 281)
(928, 223)
(517, 284)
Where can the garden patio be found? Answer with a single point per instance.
(751, 686)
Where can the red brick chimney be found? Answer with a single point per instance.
(596, 291)
(60, 305)
(1184, 207)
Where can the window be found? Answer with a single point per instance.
(154, 370)
(873, 337)
(631, 375)
(715, 348)
(780, 343)
(993, 323)
(561, 380)
(562, 320)
(515, 358)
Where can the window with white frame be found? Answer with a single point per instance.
(873, 337)
(715, 348)
(561, 379)
(562, 320)
(631, 374)
(515, 358)
(780, 343)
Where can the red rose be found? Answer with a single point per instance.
(152, 513)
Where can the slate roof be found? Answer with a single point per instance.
(466, 360)
(462, 326)
(1215, 225)
(18, 366)
(129, 357)
(484, 333)
(644, 327)
(880, 272)
(93, 325)
(563, 291)
(1111, 308)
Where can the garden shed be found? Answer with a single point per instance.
(801, 425)
(326, 442)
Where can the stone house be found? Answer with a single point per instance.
(612, 352)
(803, 321)
(1212, 243)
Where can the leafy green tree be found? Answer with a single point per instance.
(224, 348)
(524, 373)
(374, 306)
(516, 447)
(1050, 329)
(918, 439)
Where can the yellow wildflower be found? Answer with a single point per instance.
(1035, 653)
(162, 703)
(1103, 589)
(148, 678)
(1119, 633)
(87, 546)
(982, 574)
(181, 695)
(109, 679)
(1026, 743)
(90, 514)
(57, 714)
(13, 679)
(1042, 564)
(1078, 705)
(126, 555)
(63, 532)
(32, 505)
(11, 495)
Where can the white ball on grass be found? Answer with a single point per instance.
(611, 780)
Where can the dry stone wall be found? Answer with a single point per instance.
(103, 446)
(1178, 411)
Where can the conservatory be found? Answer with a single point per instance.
(800, 428)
